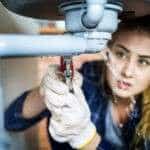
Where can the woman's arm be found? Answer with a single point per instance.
(33, 104)
(25, 111)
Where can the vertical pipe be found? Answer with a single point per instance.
(94, 13)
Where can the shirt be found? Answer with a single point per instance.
(113, 137)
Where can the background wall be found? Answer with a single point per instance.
(19, 75)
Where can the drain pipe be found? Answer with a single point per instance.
(42, 45)
(94, 13)
(78, 39)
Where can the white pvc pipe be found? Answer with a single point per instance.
(94, 13)
(40, 45)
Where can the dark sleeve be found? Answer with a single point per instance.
(104, 144)
(14, 121)
(147, 144)
(142, 144)
(91, 71)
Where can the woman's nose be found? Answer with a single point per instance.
(128, 69)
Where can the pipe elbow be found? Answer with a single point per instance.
(93, 15)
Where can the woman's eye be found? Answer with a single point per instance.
(144, 62)
(120, 54)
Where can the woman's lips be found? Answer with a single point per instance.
(123, 85)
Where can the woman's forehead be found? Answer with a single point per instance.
(134, 42)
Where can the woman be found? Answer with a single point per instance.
(113, 112)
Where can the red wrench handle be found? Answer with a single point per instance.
(63, 66)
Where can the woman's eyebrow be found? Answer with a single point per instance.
(145, 56)
(123, 48)
(128, 51)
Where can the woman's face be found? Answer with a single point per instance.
(129, 58)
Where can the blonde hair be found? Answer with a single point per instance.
(142, 131)
(143, 128)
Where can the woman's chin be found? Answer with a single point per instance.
(122, 93)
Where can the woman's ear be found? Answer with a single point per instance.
(105, 54)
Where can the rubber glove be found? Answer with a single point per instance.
(70, 121)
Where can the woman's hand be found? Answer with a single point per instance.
(78, 61)
(70, 120)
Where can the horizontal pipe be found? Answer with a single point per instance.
(42, 45)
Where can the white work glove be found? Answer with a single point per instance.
(70, 120)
